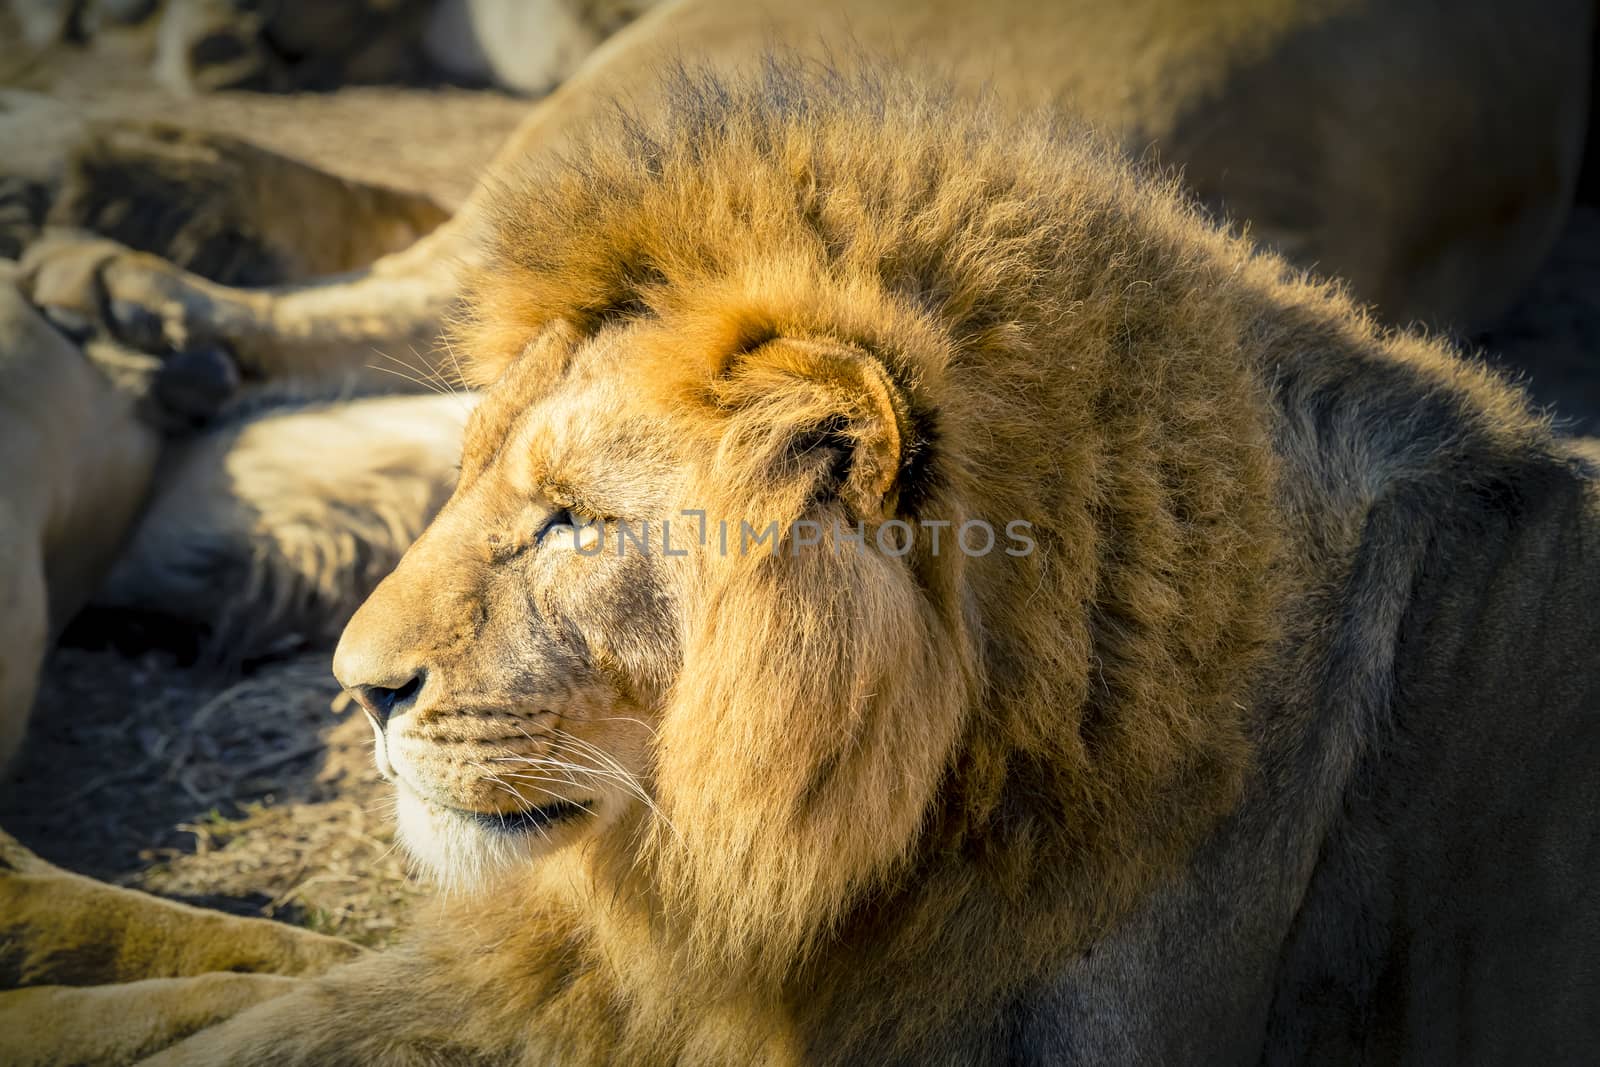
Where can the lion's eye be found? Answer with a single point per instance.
(565, 528)
(558, 519)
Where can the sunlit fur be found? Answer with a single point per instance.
(77, 464)
(881, 799)
(274, 526)
(997, 324)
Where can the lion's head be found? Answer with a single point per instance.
(982, 386)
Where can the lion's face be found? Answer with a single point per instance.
(604, 629)
(513, 665)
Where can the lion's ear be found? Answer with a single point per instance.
(823, 407)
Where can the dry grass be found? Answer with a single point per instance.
(247, 794)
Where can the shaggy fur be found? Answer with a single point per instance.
(1334, 129)
(963, 269)
(1124, 799)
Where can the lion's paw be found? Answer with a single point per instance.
(139, 318)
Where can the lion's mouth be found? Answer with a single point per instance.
(528, 820)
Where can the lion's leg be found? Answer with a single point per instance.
(228, 210)
(278, 526)
(120, 1024)
(452, 982)
(59, 928)
(328, 331)
(74, 463)
(330, 334)
(24, 597)
(201, 213)
(24, 625)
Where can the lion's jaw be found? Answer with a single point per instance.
(466, 849)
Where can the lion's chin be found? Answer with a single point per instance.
(465, 849)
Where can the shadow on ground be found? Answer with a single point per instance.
(244, 793)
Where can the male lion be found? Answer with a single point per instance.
(1266, 735)
(1424, 152)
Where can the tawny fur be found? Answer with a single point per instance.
(891, 796)
(1222, 91)
(273, 527)
(77, 464)
(228, 210)
(1095, 394)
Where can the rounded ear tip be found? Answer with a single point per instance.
(866, 411)
(872, 488)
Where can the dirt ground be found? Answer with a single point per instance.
(241, 791)
(245, 791)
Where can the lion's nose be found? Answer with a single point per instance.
(386, 656)
(382, 701)
(385, 682)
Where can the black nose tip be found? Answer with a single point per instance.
(383, 702)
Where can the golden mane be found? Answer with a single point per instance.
(942, 756)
